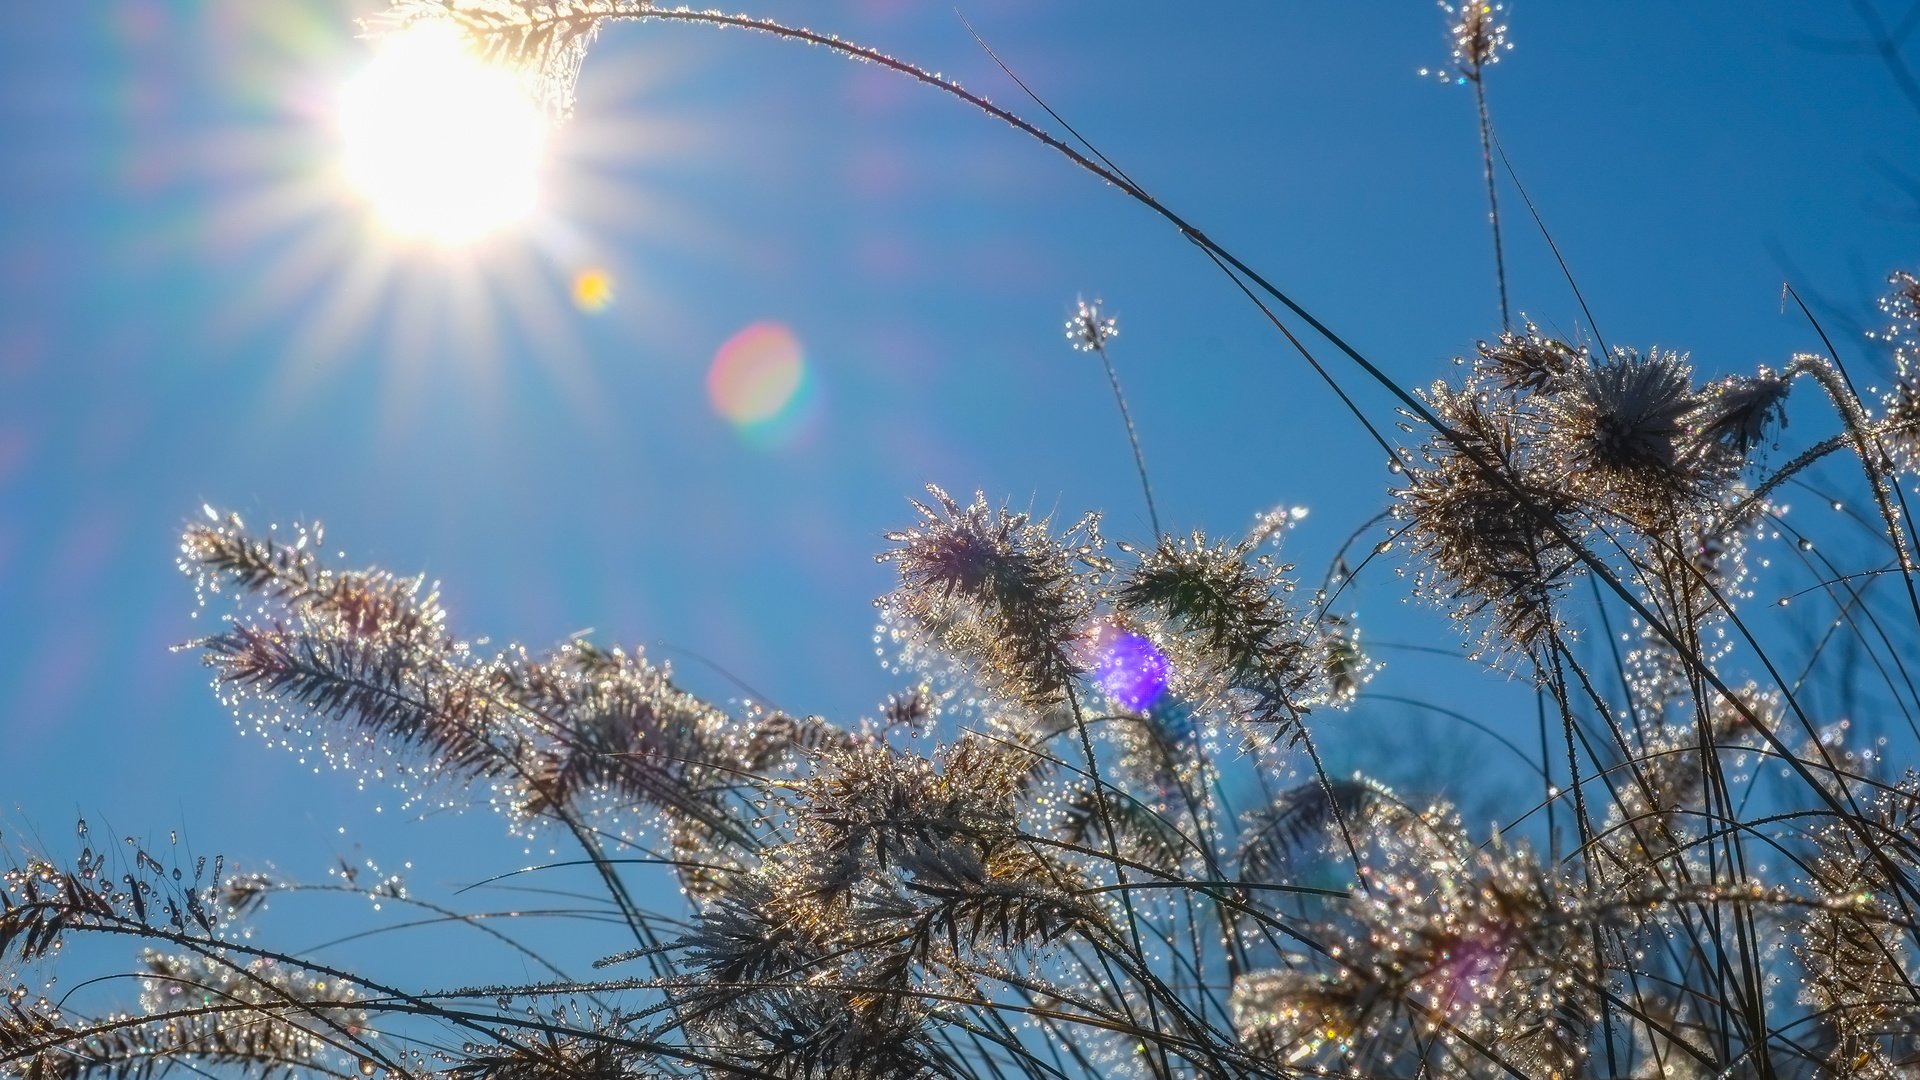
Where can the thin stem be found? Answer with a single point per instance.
(1133, 437)
(1493, 200)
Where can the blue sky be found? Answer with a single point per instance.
(192, 312)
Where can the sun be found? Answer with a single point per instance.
(443, 146)
(392, 206)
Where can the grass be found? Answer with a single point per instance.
(1097, 836)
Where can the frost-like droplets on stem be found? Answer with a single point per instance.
(1089, 330)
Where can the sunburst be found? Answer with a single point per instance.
(444, 146)
(399, 202)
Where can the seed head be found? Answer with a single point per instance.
(1478, 33)
(1089, 329)
(1527, 360)
(1236, 641)
(1736, 414)
(1486, 523)
(999, 589)
(1617, 431)
(1900, 407)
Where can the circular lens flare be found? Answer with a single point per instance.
(592, 290)
(444, 146)
(1128, 667)
(759, 383)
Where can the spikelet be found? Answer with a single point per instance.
(359, 668)
(1447, 951)
(1737, 415)
(998, 591)
(1233, 640)
(1301, 822)
(1488, 526)
(1089, 329)
(1526, 360)
(1858, 961)
(294, 1016)
(1618, 431)
(1479, 35)
(543, 41)
(902, 874)
(1900, 405)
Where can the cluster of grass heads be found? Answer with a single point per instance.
(1094, 836)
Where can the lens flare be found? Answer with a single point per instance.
(444, 146)
(1127, 667)
(592, 290)
(758, 382)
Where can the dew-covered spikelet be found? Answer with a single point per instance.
(1478, 32)
(1232, 640)
(1549, 450)
(358, 670)
(902, 875)
(1617, 431)
(1900, 404)
(1454, 963)
(1000, 593)
(1857, 956)
(1488, 529)
(289, 1015)
(544, 41)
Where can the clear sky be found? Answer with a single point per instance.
(194, 310)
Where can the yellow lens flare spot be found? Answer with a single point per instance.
(444, 146)
(592, 290)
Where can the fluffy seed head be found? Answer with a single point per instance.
(1477, 30)
(1617, 431)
